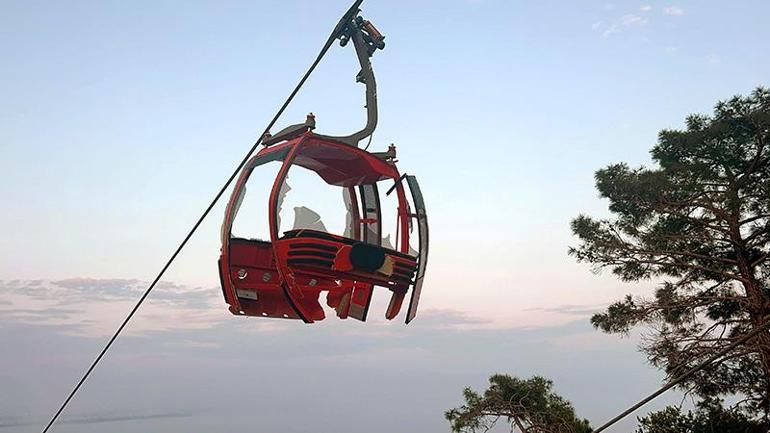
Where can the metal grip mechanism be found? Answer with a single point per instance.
(372, 37)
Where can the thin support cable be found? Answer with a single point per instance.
(685, 375)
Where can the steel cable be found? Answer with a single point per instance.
(685, 375)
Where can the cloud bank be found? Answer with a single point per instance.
(187, 365)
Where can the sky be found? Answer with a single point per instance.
(119, 121)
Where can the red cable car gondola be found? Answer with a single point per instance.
(283, 277)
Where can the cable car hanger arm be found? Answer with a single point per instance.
(366, 40)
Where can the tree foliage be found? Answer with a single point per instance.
(709, 417)
(528, 406)
(697, 223)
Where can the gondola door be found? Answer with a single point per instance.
(422, 232)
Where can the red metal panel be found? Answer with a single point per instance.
(284, 277)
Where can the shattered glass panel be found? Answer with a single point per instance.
(350, 215)
(370, 220)
(306, 218)
(310, 203)
(389, 214)
(285, 188)
(388, 243)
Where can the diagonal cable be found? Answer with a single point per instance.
(675, 381)
(345, 19)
